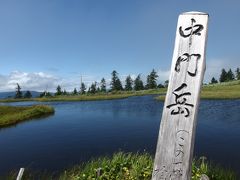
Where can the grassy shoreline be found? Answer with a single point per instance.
(228, 90)
(127, 166)
(94, 97)
(220, 91)
(10, 115)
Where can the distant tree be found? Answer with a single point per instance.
(160, 86)
(166, 83)
(64, 92)
(59, 90)
(138, 83)
(114, 79)
(119, 85)
(152, 80)
(98, 89)
(213, 81)
(82, 88)
(230, 75)
(93, 88)
(75, 91)
(89, 90)
(103, 85)
(42, 94)
(45, 94)
(18, 92)
(237, 74)
(116, 84)
(27, 94)
(223, 76)
(129, 83)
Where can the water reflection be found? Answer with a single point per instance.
(80, 131)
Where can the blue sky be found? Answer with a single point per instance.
(49, 42)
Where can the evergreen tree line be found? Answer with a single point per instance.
(226, 76)
(116, 85)
(130, 84)
(19, 93)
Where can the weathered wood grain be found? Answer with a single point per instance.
(20, 174)
(177, 130)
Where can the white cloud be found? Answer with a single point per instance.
(28, 81)
(214, 67)
(163, 75)
(40, 81)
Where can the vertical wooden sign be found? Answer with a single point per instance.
(174, 152)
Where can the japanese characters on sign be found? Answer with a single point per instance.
(181, 105)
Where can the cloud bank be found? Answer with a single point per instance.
(40, 81)
(37, 81)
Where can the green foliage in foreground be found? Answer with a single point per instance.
(120, 166)
(10, 115)
(128, 166)
(214, 172)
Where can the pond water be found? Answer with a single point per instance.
(79, 131)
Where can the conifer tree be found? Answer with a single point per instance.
(45, 94)
(18, 92)
(129, 83)
(152, 80)
(82, 88)
(166, 83)
(223, 76)
(160, 86)
(27, 94)
(138, 83)
(103, 85)
(64, 92)
(116, 84)
(59, 90)
(213, 81)
(93, 88)
(75, 91)
(98, 89)
(237, 74)
(89, 90)
(230, 75)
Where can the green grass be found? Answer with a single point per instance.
(16, 100)
(226, 90)
(10, 115)
(91, 97)
(120, 166)
(127, 166)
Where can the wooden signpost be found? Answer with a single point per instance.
(20, 174)
(174, 152)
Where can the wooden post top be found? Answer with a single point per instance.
(194, 13)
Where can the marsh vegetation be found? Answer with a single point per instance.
(10, 115)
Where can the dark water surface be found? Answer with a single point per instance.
(80, 131)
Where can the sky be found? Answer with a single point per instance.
(50, 42)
